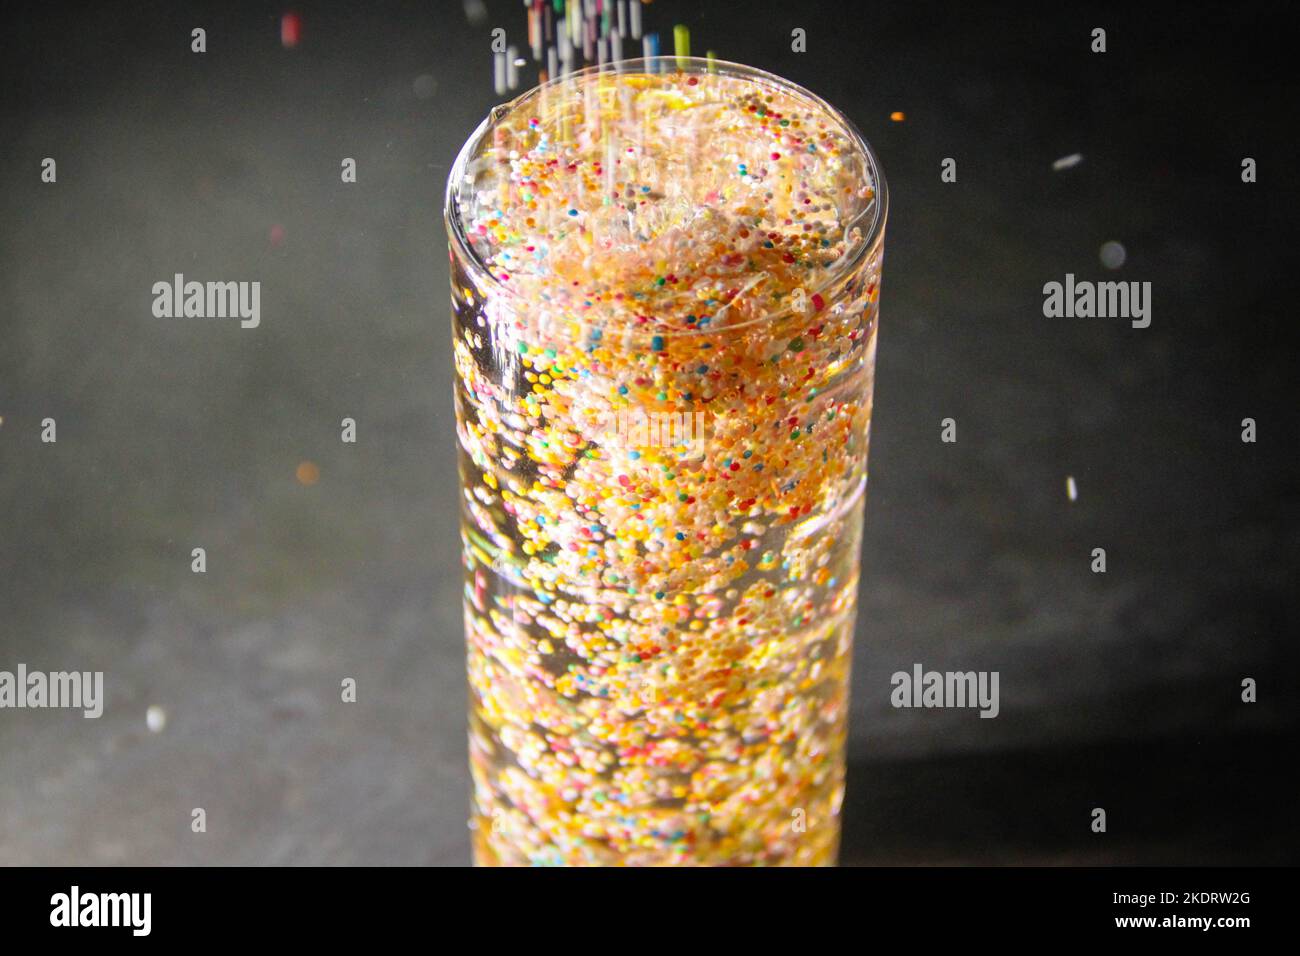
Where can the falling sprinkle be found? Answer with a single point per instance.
(155, 718)
(1071, 489)
(424, 86)
(290, 30)
(276, 235)
(499, 74)
(681, 44)
(513, 62)
(1113, 254)
(897, 116)
(308, 473)
(1066, 162)
(561, 36)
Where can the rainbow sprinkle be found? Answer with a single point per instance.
(663, 406)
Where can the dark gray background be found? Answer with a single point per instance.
(1118, 690)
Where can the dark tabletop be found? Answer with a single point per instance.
(1119, 690)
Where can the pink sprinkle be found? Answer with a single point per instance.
(277, 234)
(290, 30)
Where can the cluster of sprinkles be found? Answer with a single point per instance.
(659, 635)
(665, 202)
(564, 34)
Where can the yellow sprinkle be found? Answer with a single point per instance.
(681, 44)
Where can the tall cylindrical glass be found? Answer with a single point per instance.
(664, 286)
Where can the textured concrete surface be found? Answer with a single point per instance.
(1118, 690)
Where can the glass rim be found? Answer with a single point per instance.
(878, 209)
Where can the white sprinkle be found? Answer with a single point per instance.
(634, 21)
(475, 11)
(1065, 162)
(1071, 489)
(424, 86)
(156, 718)
(513, 62)
(499, 74)
(1113, 254)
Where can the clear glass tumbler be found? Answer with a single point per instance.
(664, 282)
